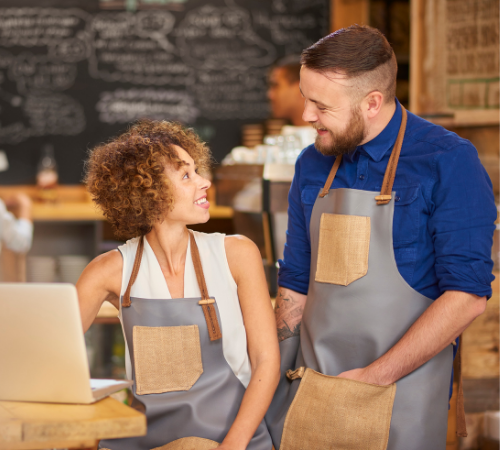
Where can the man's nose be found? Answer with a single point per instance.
(309, 115)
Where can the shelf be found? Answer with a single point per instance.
(75, 205)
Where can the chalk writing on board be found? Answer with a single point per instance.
(85, 73)
(37, 72)
(217, 38)
(223, 95)
(288, 30)
(13, 133)
(6, 59)
(127, 105)
(135, 48)
(43, 114)
(133, 5)
(61, 31)
(52, 113)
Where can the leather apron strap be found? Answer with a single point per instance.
(461, 425)
(135, 270)
(390, 172)
(382, 199)
(206, 302)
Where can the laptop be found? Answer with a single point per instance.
(42, 348)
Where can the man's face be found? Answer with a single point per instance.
(329, 109)
(282, 94)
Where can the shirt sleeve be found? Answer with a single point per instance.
(16, 234)
(294, 267)
(462, 222)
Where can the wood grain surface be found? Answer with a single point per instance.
(26, 425)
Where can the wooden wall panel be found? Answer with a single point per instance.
(348, 12)
(455, 60)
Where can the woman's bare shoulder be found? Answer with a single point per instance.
(105, 270)
(111, 261)
(239, 246)
(242, 255)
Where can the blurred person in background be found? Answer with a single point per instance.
(284, 92)
(16, 227)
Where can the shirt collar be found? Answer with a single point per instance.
(383, 142)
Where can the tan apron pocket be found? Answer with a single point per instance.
(189, 443)
(166, 359)
(344, 243)
(337, 413)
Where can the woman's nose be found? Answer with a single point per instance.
(206, 183)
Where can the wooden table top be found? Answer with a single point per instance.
(35, 426)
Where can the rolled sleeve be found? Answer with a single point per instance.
(462, 222)
(294, 267)
(16, 234)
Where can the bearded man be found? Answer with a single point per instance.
(387, 260)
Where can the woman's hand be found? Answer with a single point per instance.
(245, 263)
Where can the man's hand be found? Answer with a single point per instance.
(288, 311)
(435, 329)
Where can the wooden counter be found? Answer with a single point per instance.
(74, 204)
(34, 426)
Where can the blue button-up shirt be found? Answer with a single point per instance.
(444, 207)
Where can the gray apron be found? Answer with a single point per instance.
(197, 393)
(349, 326)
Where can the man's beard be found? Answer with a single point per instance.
(345, 141)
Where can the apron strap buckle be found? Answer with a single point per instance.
(208, 301)
(295, 374)
(383, 199)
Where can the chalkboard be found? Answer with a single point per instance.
(75, 73)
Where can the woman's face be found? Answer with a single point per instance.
(189, 191)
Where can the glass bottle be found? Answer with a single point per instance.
(47, 176)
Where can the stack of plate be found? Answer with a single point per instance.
(252, 134)
(71, 267)
(274, 126)
(41, 269)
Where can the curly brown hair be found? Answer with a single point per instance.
(126, 176)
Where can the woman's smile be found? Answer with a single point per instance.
(202, 202)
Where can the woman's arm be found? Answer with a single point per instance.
(246, 267)
(100, 281)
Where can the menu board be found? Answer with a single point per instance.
(75, 73)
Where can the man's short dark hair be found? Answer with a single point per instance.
(291, 66)
(360, 53)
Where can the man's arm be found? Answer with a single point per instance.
(461, 224)
(436, 328)
(288, 312)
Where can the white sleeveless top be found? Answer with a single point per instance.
(151, 283)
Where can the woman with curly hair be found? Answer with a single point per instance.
(195, 310)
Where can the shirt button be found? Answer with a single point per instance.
(398, 198)
(361, 177)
